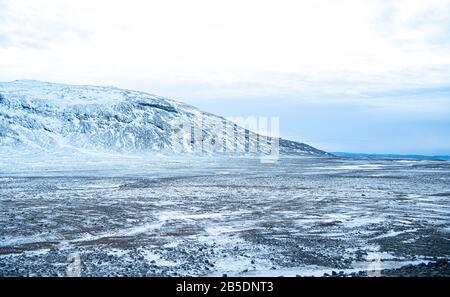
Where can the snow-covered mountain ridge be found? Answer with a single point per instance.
(48, 116)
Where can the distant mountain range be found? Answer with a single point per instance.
(388, 156)
(48, 116)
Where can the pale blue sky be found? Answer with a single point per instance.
(351, 75)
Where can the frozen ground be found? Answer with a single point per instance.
(161, 216)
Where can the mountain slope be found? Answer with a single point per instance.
(49, 116)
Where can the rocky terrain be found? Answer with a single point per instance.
(232, 216)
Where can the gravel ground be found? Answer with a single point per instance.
(439, 268)
(299, 216)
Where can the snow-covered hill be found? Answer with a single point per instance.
(50, 116)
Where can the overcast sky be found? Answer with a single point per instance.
(359, 76)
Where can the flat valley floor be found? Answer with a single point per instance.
(162, 216)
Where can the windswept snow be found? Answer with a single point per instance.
(211, 216)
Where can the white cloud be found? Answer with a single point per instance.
(295, 47)
(379, 71)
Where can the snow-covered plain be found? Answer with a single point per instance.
(200, 216)
(131, 183)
